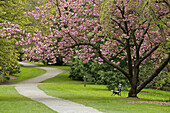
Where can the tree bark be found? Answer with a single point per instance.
(134, 84)
(132, 92)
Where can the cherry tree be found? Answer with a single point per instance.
(120, 30)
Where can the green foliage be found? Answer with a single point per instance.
(164, 82)
(105, 16)
(8, 58)
(161, 81)
(98, 74)
(13, 11)
(167, 47)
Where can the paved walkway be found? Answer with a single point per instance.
(28, 88)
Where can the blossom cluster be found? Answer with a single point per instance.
(9, 30)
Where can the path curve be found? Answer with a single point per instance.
(28, 88)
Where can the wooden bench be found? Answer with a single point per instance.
(118, 91)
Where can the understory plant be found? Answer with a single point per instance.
(97, 74)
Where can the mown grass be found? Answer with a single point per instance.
(27, 73)
(12, 102)
(53, 66)
(97, 96)
(36, 63)
(61, 67)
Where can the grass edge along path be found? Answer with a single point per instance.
(64, 67)
(27, 73)
(12, 102)
(98, 97)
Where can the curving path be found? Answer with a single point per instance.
(28, 88)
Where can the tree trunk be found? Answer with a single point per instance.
(134, 84)
(133, 90)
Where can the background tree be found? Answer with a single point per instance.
(13, 11)
(128, 33)
(10, 11)
(8, 52)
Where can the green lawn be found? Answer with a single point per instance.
(12, 102)
(28, 72)
(36, 63)
(53, 66)
(97, 96)
(61, 67)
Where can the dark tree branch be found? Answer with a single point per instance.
(157, 71)
(120, 52)
(112, 64)
(146, 30)
(132, 35)
(114, 39)
(72, 37)
(119, 41)
(147, 55)
(141, 41)
(119, 26)
(129, 57)
(163, 1)
(125, 22)
(58, 8)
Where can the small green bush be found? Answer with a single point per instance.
(97, 74)
(8, 58)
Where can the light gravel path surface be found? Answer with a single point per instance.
(28, 88)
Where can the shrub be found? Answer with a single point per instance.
(8, 59)
(161, 81)
(98, 74)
